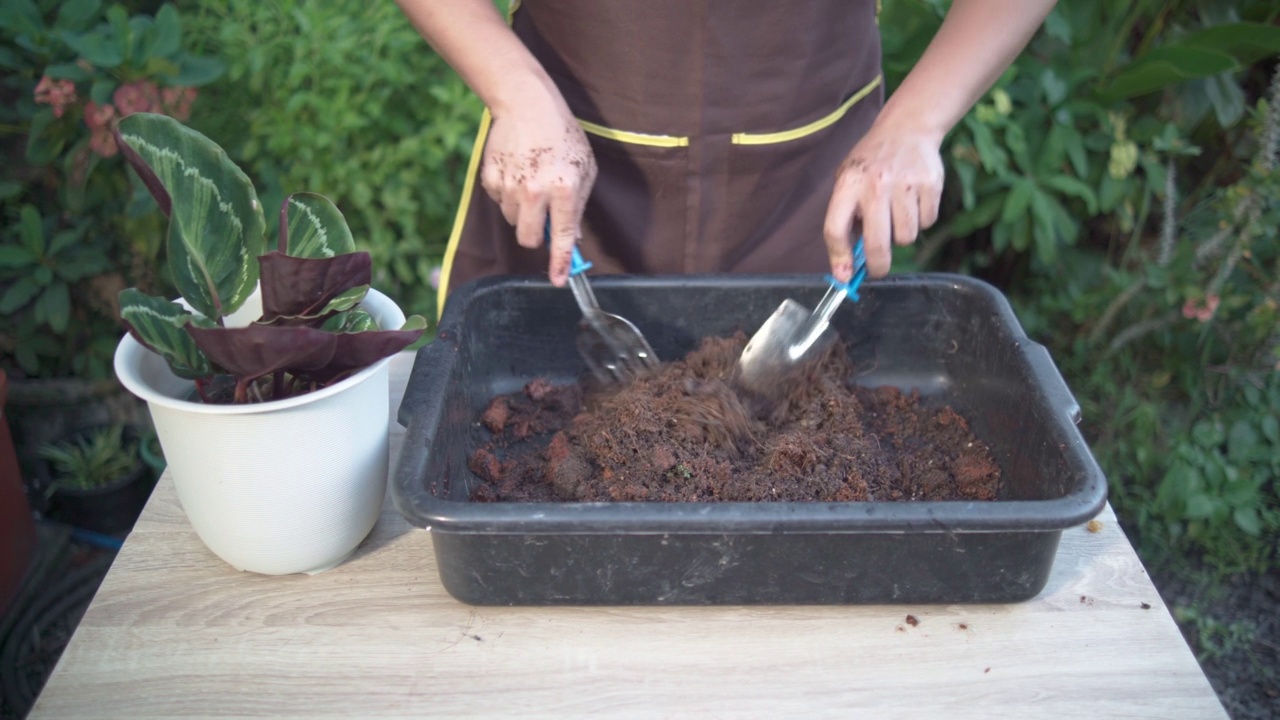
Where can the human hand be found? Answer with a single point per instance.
(537, 161)
(890, 184)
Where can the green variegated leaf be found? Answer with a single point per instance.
(350, 322)
(215, 221)
(160, 325)
(191, 276)
(414, 322)
(313, 227)
(346, 300)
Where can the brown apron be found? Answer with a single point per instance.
(717, 128)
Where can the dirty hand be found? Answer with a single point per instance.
(889, 186)
(536, 161)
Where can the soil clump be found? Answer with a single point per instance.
(685, 433)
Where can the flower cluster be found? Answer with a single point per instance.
(138, 96)
(98, 118)
(57, 94)
(1201, 310)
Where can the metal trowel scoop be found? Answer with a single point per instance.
(793, 336)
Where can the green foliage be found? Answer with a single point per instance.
(81, 231)
(96, 459)
(1119, 184)
(1202, 54)
(346, 96)
(105, 47)
(1219, 485)
(44, 268)
(1061, 146)
(1173, 351)
(1214, 637)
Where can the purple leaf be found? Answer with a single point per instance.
(250, 352)
(302, 287)
(145, 173)
(356, 351)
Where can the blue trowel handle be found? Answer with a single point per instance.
(841, 290)
(577, 265)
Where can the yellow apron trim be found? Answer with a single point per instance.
(633, 137)
(468, 186)
(811, 128)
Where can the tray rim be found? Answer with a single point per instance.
(424, 510)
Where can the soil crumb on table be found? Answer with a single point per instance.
(684, 433)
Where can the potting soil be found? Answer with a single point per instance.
(685, 433)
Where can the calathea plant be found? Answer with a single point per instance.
(311, 333)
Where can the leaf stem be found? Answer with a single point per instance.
(201, 391)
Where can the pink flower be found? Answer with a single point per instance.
(98, 118)
(1194, 309)
(434, 278)
(138, 96)
(103, 143)
(57, 94)
(176, 101)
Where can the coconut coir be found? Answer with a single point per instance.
(685, 433)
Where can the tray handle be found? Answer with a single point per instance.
(431, 369)
(1050, 378)
(421, 412)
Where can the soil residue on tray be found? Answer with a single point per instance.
(685, 434)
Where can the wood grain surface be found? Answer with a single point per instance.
(175, 632)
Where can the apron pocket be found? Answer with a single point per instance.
(780, 192)
(636, 220)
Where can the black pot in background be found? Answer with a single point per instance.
(46, 409)
(111, 509)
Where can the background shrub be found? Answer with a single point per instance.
(344, 98)
(1119, 184)
(74, 232)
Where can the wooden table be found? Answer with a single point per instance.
(176, 632)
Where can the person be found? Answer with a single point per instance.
(693, 136)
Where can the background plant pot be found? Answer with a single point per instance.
(17, 528)
(282, 487)
(110, 509)
(44, 409)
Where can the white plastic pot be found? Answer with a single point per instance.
(289, 486)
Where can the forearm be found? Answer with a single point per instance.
(977, 42)
(478, 44)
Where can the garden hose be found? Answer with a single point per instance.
(74, 590)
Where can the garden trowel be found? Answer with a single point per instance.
(793, 336)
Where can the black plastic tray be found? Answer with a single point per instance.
(952, 337)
